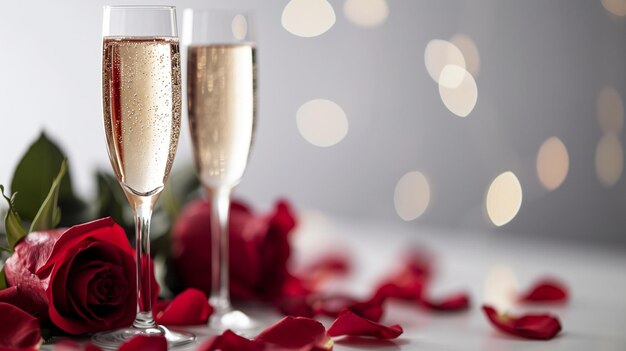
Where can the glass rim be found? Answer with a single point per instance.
(140, 7)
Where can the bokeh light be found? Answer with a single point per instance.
(440, 53)
(412, 195)
(609, 159)
(470, 52)
(552, 163)
(504, 198)
(308, 18)
(322, 122)
(366, 13)
(239, 27)
(458, 90)
(610, 110)
(500, 290)
(616, 7)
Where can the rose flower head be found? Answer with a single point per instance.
(258, 249)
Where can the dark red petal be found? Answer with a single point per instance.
(530, 326)
(229, 341)
(297, 306)
(15, 296)
(326, 267)
(295, 333)
(332, 306)
(18, 329)
(452, 303)
(190, 307)
(546, 290)
(408, 288)
(349, 323)
(145, 343)
(104, 229)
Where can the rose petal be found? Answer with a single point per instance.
(407, 288)
(18, 329)
(332, 306)
(190, 307)
(452, 303)
(14, 295)
(145, 343)
(349, 323)
(410, 281)
(297, 306)
(546, 290)
(229, 341)
(324, 268)
(530, 326)
(295, 333)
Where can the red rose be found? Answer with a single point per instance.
(81, 278)
(258, 254)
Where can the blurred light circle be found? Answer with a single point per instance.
(440, 53)
(501, 288)
(610, 110)
(322, 122)
(458, 90)
(504, 198)
(412, 195)
(366, 13)
(452, 76)
(616, 7)
(552, 163)
(239, 27)
(308, 18)
(470, 52)
(609, 159)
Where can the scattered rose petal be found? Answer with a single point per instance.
(229, 341)
(191, 307)
(546, 290)
(349, 323)
(297, 306)
(530, 326)
(295, 333)
(145, 343)
(452, 303)
(327, 267)
(410, 281)
(18, 329)
(332, 306)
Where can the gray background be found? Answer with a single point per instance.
(542, 66)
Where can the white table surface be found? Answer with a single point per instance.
(593, 319)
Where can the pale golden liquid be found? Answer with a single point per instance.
(221, 100)
(142, 97)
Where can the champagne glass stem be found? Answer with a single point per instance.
(143, 214)
(220, 207)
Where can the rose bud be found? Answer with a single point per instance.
(258, 254)
(81, 278)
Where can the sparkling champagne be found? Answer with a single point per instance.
(142, 106)
(221, 101)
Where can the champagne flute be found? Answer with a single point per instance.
(141, 90)
(221, 84)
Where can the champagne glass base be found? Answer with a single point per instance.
(234, 320)
(111, 340)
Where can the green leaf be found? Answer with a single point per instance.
(12, 222)
(181, 185)
(3, 280)
(112, 202)
(49, 214)
(34, 175)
